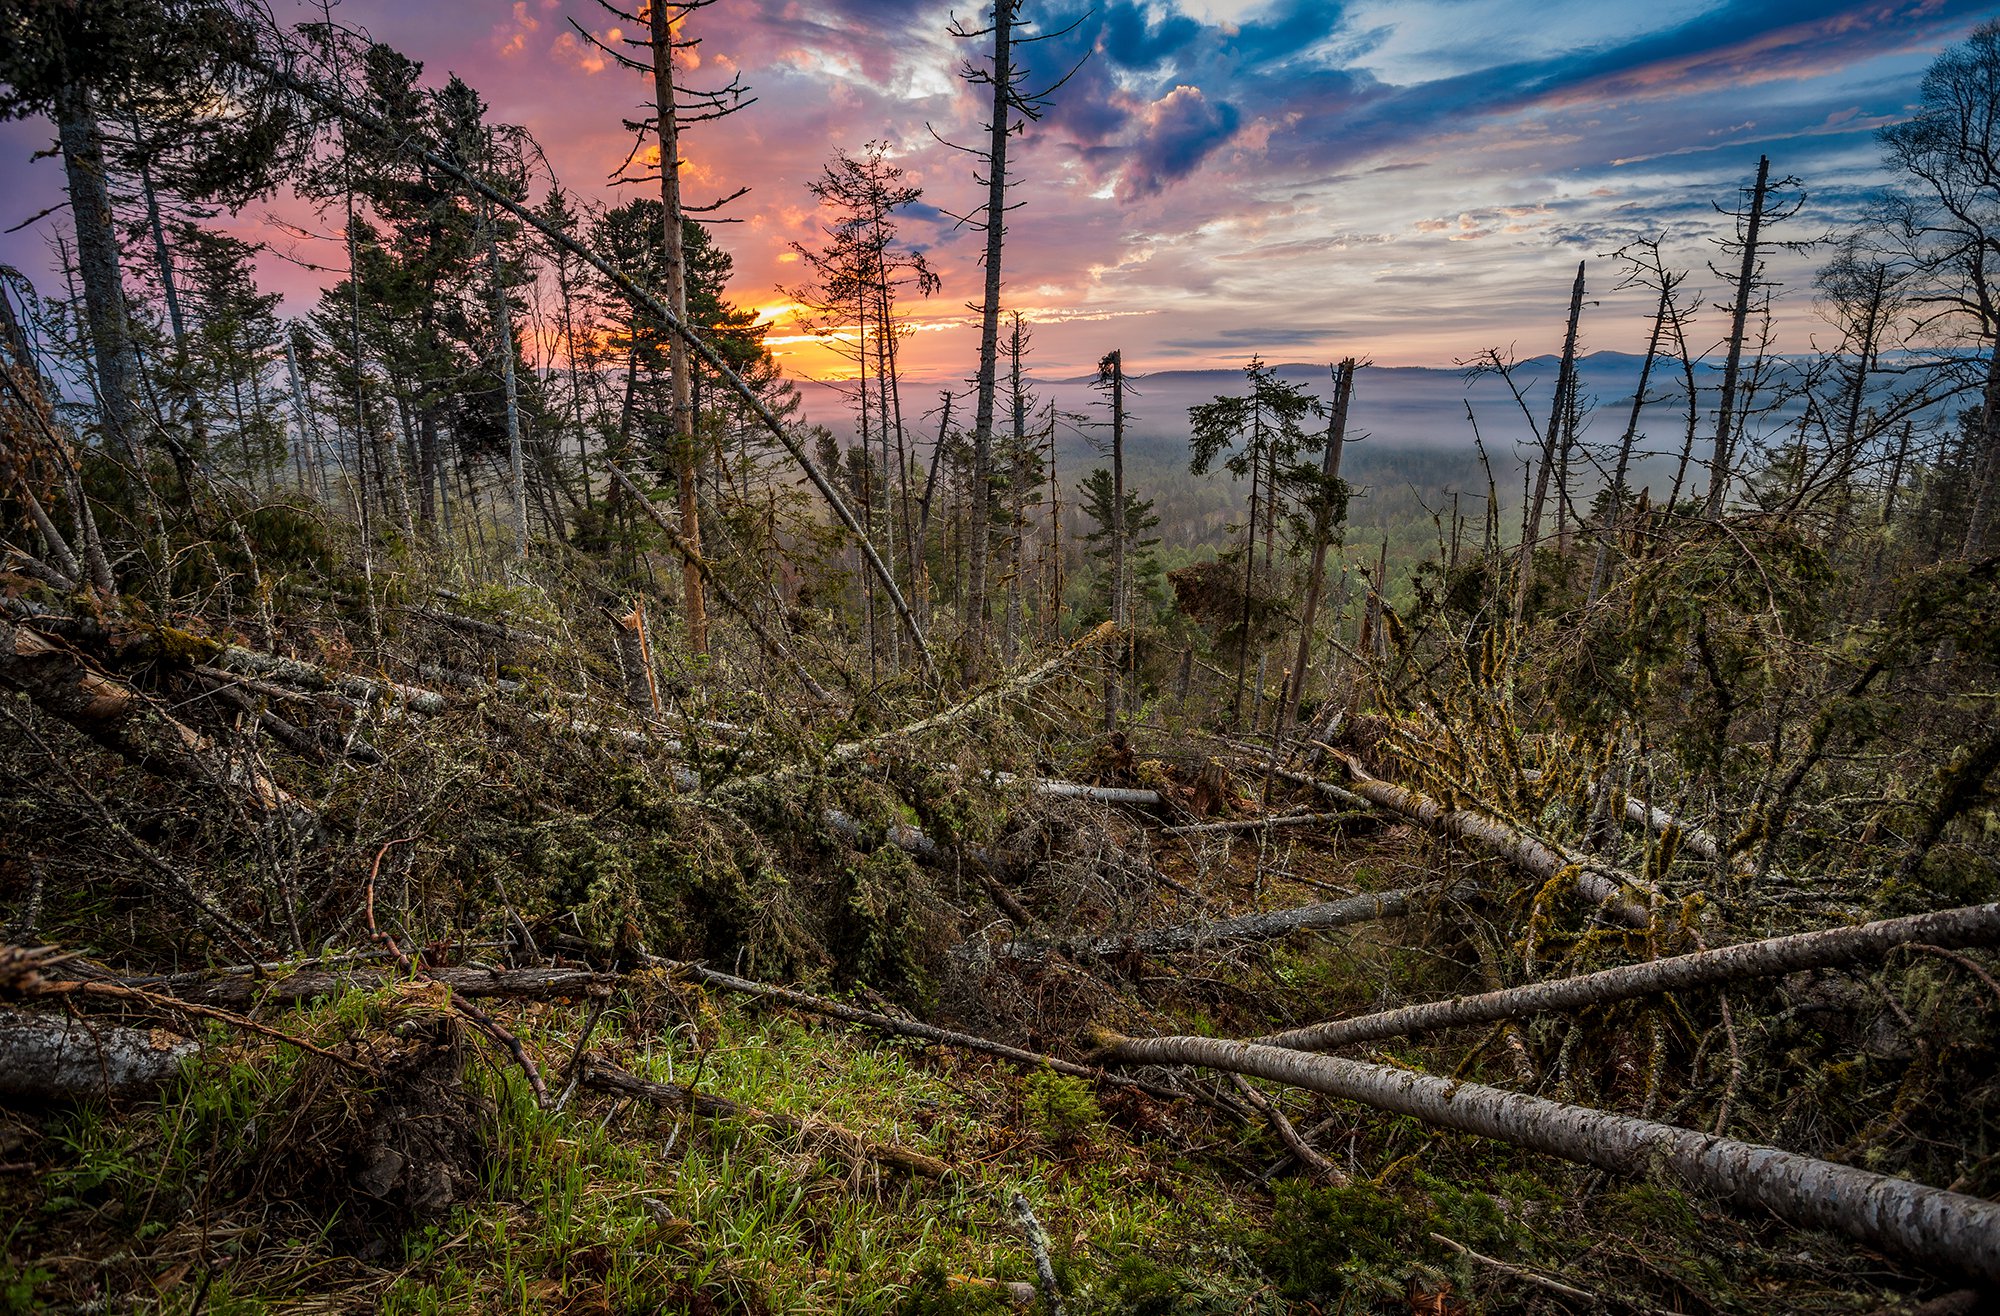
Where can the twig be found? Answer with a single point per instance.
(610, 1078)
(1307, 1154)
(1520, 1272)
(1038, 1247)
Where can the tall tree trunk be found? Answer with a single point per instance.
(1325, 524)
(503, 323)
(687, 456)
(1987, 490)
(1558, 419)
(113, 358)
(974, 604)
(1718, 474)
(1120, 589)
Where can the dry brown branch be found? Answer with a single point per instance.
(1306, 1154)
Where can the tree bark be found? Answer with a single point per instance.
(1974, 925)
(1600, 886)
(1944, 1230)
(1718, 475)
(55, 1057)
(974, 604)
(113, 359)
(1324, 527)
(687, 457)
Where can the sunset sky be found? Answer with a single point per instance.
(1408, 182)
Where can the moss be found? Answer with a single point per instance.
(184, 648)
(1061, 1109)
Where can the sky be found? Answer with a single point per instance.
(1406, 181)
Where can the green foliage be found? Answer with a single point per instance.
(1138, 1286)
(1059, 1108)
(932, 1293)
(1325, 1244)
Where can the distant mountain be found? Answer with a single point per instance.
(1395, 409)
(1394, 406)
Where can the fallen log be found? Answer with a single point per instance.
(1937, 1228)
(1338, 794)
(1639, 813)
(1071, 790)
(1602, 886)
(1974, 925)
(463, 980)
(1269, 926)
(59, 1057)
(1269, 824)
(307, 676)
(609, 1078)
(65, 684)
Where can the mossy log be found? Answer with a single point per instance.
(65, 684)
(1604, 887)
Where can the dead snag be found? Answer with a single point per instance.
(610, 1078)
(1939, 1229)
(1974, 925)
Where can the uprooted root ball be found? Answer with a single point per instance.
(398, 1145)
